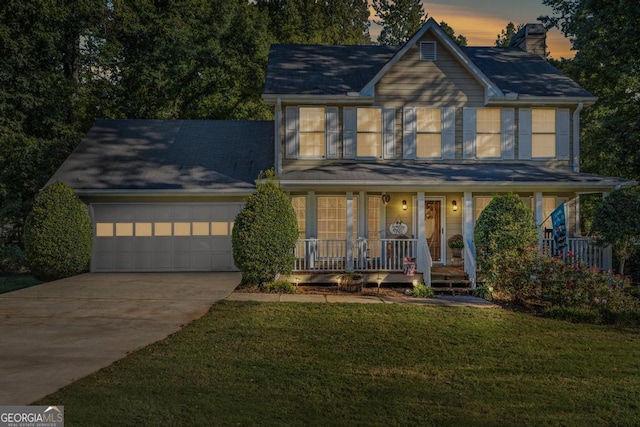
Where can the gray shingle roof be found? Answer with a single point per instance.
(513, 70)
(336, 70)
(437, 174)
(170, 155)
(323, 70)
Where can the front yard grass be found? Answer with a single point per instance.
(350, 364)
(13, 282)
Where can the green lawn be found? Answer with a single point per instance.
(13, 282)
(342, 364)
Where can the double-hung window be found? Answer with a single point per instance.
(428, 133)
(369, 132)
(543, 133)
(488, 133)
(312, 132)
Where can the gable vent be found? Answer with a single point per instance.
(427, 51)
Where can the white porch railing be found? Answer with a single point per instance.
(583, 249)
(327, 255)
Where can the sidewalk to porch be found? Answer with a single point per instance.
(440, 300)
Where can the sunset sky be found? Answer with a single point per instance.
(481, 21)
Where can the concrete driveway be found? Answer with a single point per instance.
(58, 332)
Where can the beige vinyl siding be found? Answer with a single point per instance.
(443, 83)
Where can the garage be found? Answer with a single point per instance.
(148, 237)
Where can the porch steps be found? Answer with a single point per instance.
(450, 279)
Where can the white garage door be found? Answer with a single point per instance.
(163, 236)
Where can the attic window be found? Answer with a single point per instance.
(427, 51)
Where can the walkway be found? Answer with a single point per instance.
(447, 301)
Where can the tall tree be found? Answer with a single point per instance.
(459, 39)
(607, 63)
(504, 38)
(188, 60)
(317, 22)
(41, 75)
(400, 19)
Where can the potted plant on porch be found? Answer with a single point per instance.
(456, 244)
(350, 282)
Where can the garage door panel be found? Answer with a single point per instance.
(200, 244)
(163, 236)
(182, 244)
(125, 260)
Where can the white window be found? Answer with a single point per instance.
(312, 132)
(428, 133)
(369, 132)
(300, 208)
(332, 217)
(374, 224)
(543, 133)
(480, 203)
(488, 133)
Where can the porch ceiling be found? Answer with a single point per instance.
(445, 176)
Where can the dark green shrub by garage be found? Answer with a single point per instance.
(264, 234)
(57, 235)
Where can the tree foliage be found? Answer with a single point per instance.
(459, 39)
(265, 233)
(616, 222)
(400, 19)
(604, 35)
(504, 38)
(505, 225)
(57, 235)
(325, 22)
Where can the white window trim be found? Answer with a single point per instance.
(430, 133)
(326, 149)
(381, 156)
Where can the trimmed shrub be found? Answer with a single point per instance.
(265, 234)
(506, 224)
(280, 287)
(57, 234)
(421, 290)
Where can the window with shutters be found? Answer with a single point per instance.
(488, 133)
(300, 208)
(543, 133)
(428, 133)
(312, 132)
(369, 132)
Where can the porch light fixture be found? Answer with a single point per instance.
(404, 205)
(454, 206)
(379, 282)
(297, 281)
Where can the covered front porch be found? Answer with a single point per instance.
(405, 234)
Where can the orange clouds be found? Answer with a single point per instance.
(482, 29)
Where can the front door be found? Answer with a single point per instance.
(433, 227)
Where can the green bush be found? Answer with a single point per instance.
(421, 290)
(57, 234)
(506, 224)
(12, 260)
(279, 287)
(265, 234)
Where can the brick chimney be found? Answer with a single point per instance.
(531, 38)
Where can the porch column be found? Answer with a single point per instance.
(312, 215)
(349, 261)
(467, 233)
(363, 209)
(421, 262)
(538, 217)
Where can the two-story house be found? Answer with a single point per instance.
(385, 151)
